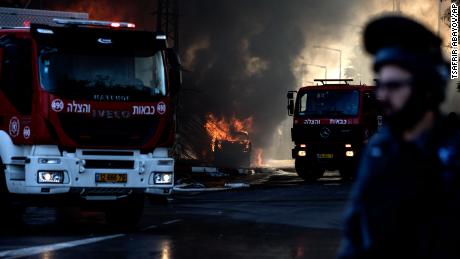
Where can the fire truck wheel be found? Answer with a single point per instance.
(158, 199)
(308, 171)
(125, 214)
(3, 188)
(348, 172)
(10, 212)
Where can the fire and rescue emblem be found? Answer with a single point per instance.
(57, 105)
(26, 132)
(14, 127)
(161, 108)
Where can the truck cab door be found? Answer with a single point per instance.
(16, 73)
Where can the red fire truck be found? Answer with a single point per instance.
(86, 113)
(332, 122)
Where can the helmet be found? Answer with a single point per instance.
(401, 41)
(396, 40)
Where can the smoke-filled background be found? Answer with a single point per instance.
(242, 56)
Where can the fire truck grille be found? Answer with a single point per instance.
(335, 133)
(109, 164)
(108, 133)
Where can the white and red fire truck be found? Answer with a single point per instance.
(86, 112)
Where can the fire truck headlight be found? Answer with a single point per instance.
(303, 145)
(50, 177)
(348, 145)
(302, 153)
(163, 178)
(349, 153)
(49, 161)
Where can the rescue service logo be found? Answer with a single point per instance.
(312, 122)
(14, 127)
(161, 108)
(338, 121)
(57, 105)
(143, 110)
(26, 132)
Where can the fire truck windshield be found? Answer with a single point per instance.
(327, 103)
(71, 73)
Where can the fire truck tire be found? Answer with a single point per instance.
(10, 212)
(158, 200)
(307, 170)
(125, 214)
(348, 172)
(3, 188)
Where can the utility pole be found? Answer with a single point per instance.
(168, 21)
(439, 17)
(396, 6)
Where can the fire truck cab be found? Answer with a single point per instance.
(332, 121)
(86, 116)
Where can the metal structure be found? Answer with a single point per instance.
(325, 81)
(323, 67)
(167, 14)
(13, 17)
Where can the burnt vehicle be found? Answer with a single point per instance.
(233, 153)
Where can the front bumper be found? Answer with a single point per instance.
(79, 171)
(329, 156)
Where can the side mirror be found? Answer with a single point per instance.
(2, 51)
(174, 71)
(290, 107)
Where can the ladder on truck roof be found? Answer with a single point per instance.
(18, 17)
(325, 81)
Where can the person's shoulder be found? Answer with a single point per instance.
(380, 144)
(448, 137)
(449, 127)
(381, 137)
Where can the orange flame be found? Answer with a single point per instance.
(227, 130)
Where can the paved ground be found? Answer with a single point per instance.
(279, 216)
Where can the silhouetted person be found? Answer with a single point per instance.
(406, 199)
(453, 119)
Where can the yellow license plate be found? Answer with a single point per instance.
(111, 178)
(325, 156)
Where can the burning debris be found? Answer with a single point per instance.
(230, 143)
(233, 130)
